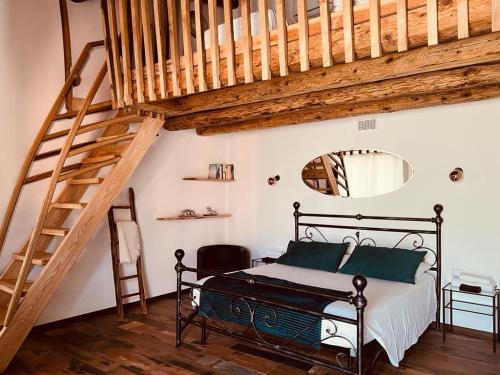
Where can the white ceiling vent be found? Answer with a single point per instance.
(366, 124)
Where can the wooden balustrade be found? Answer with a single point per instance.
(163, 48)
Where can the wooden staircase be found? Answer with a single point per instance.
(107, 158)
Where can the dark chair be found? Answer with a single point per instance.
(222, 258)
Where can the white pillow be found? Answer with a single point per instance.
(422, 268)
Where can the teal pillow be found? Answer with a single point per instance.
(384, 263)
(314, 255)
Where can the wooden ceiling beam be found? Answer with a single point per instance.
(464, 52)
(418, 84)
(386, 105)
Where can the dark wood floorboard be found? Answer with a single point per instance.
(145, 345)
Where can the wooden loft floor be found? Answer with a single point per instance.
(145, 345)
(381, 56)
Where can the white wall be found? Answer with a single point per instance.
(434, 141)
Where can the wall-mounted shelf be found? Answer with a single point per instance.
(206, 179)
(198, 217)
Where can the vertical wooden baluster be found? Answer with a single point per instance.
(125, 39)
(432, 23)
(115, 48)
(282, 37)
(188, 48)
(495, 15)
(348, 30)
(200, 47)
(303, 35)
(463, 19)
(376, 46)
(402, 16)
(174, 46)
(229, 42)
(161, 44)
(326, 39)
(137, 39)
(246, 38)
(214, 43)
(148, 49)
(265, 48)
(109, 52)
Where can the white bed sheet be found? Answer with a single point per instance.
(396, 314)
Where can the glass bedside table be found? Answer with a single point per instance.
(487, 309)
(261, 261)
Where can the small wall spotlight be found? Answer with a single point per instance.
(457, 174)
(273, 180)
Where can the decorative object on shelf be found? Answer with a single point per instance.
(457, 174)
(273, 180)
(187, 213)
(221, 172)
(215, 171)
(196, 217)
(205, 179)
(210, 212)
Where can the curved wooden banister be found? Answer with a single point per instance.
(74, 74)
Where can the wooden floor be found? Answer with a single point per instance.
(145, 345)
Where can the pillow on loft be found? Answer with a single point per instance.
(384, 263)
(314, 255)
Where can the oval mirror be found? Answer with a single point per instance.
(357, 173)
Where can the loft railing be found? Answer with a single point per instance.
(163, 48)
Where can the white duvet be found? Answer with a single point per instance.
(396, 314)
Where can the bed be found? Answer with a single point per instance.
(361, 310)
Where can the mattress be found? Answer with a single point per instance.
(396, 314)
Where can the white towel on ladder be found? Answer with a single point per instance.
(129, 241)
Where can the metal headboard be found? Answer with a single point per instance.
(312, 231)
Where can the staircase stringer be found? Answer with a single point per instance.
(39, 295)
(40, 223)
(57, 218)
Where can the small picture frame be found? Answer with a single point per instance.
(221, 171)
(229, 171)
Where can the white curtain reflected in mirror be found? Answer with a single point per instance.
(357, 173)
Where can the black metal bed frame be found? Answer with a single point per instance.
(188, 308)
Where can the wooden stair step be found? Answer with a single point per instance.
(59, 232)
(69, 205)
(40, 258)
(98, 159)
(86, 181)
(88, 168)
(8, 285)
(100, 142)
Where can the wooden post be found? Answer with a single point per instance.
(246, 40)
(214, 43)
(66, 36)
(265, 48)
(463, 18)
(148, 49)
(432, 23)
(229, 42)
(495, 15)
(376, 45)
(188, 48)
(402, 17)
(125, 39)
(174, 47)
(282, 37)
(326, 38)
(303, 35)
(348, 30)
(200, 47)
(137, 39)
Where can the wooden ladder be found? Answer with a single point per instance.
(115, 256)
(105, 161)
(326, 174)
